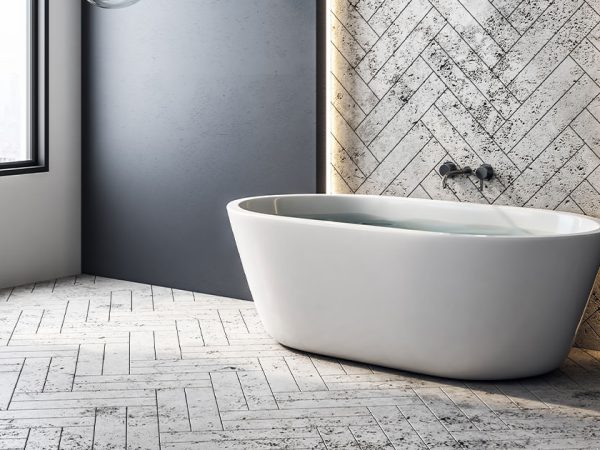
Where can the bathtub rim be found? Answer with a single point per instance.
(234, 206)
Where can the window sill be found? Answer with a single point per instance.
(22, 169)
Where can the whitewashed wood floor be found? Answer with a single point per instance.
(92, 362)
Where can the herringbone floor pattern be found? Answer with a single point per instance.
(90, 362)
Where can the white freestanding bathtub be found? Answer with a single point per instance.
(449, 289)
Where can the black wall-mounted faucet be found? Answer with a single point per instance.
(484, 172)
(450, 170)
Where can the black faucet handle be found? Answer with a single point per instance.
(447, 167)
(485, 172)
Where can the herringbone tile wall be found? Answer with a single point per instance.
(513, 83)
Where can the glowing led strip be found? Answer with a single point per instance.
(328, 93)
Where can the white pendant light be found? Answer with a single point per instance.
(112, 4)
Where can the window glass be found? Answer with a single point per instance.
(15, 92)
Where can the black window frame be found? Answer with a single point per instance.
(38, 108)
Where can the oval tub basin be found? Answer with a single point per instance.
(449, 289)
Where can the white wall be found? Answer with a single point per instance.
(40, 214)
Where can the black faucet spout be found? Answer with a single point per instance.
(453, 173)
(464, 171)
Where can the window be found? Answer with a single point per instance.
(23, 87)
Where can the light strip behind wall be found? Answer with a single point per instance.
(328, 92)
(328, 115)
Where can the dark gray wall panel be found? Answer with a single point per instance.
(189, 104)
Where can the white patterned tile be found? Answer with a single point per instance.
(386, 14)
(409, 83)
(393, 37)
(345, 43)
(415, 140)
(554, 122)
(462, 88)
(538, 104)
(398, 127)
(406, 53)
(534, 40)
(247, 394)
(354, 22)
(470, 29)
(558, 48)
